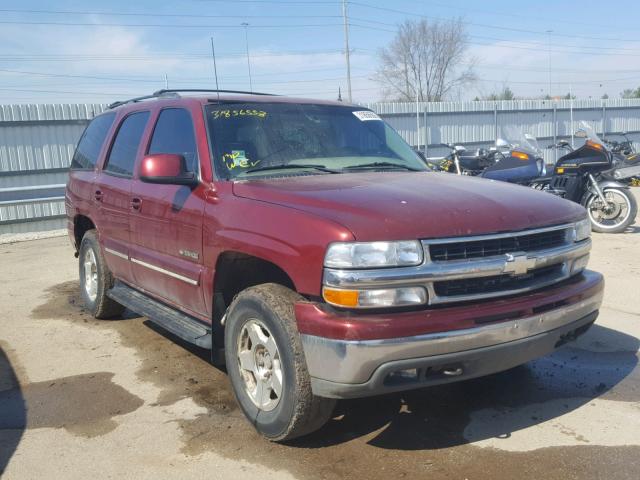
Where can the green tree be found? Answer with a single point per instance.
(505, 94)
(630, 93)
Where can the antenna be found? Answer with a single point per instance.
(215, 68)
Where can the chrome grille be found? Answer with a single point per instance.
(478, 267)
(496, 283)
(487, 247)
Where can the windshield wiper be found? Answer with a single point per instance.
(266, 168)
(378, 165)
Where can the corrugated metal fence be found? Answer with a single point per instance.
(36, 145)
(37, 141)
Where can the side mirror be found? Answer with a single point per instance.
(502, 143)
(167, 169)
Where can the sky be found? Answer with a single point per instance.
(88, 51)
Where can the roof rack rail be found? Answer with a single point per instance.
(206, 90)
(174, 92)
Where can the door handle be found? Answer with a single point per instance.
(136, 203)
(98, 195)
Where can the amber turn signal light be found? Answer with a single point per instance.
(342, 298)
(594, 145)
(520, 155)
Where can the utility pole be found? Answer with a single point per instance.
(346, 48)
(246, 42)
(549, 61)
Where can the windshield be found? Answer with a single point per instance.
(520, 140)
(285, 138)
(589, 132)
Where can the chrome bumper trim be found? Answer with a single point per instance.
(354, 362)
(429, 272)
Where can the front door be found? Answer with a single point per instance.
(166, 222)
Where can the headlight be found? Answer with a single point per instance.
(373, 254)
(375, 298)
(582, 230)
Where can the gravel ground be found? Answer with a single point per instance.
(120, 399)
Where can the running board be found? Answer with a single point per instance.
(178, 323)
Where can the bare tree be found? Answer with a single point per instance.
(425, 60)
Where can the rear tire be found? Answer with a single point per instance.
(629, 216)
(267, 367)
(96, 279)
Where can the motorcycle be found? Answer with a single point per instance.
(461, 163)
(628, 152)
(593, 176)
(517, 158)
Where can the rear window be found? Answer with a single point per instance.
(122, 157)
(90, 144)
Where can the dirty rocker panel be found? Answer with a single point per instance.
(178, 323)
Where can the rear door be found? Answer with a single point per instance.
(166, 222)
(79, 195)
(112, 191)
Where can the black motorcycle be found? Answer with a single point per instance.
(594, 176)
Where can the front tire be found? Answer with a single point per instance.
(267, 367)
(96, 279)
(617, 215)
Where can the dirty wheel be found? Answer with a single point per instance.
(267, 367)
(96, 279)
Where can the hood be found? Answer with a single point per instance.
(407, 205)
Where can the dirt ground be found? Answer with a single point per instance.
(81, 398)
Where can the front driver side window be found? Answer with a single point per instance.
(174, 133)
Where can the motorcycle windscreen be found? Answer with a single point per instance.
(513, 170)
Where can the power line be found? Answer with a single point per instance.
(161, 25)
(535, 47)
(482, 37)
(159, 15)
(484, 25)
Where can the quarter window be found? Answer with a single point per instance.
(174, 134)
(90, 144)
(125, 147)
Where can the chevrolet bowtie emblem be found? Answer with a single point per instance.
(518, 264)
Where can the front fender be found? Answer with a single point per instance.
(591, 191)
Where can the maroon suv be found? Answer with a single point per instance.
(312, 250)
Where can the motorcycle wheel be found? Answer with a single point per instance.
(614, 217)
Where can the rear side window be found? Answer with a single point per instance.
(174, 134)
(123, 152)
(90, 144)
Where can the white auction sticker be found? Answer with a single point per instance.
(364, 115)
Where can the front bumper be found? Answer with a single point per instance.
(345, 368)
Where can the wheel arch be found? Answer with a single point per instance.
(81, 225)
(236, 271)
